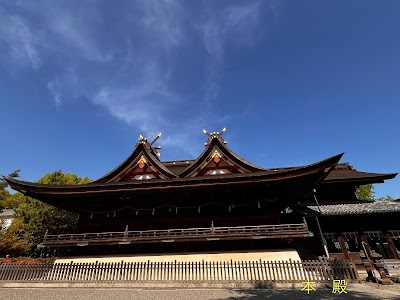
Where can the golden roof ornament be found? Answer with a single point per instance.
(214, 135)
(143, 140)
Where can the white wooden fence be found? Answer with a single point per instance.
(225, 271)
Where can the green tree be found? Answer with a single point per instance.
(60, 178)
(365, 192)
(385, 198)
(35, 217)
(14, 200)
(3, 183)
(13, 242)
(4, 194)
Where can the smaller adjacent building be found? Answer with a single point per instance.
(6, 218)
(346, 225)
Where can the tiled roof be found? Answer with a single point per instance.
(357, 208)
(7, 213)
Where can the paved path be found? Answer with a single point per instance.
(355, 291)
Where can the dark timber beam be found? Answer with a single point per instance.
(343, 247)
(392, 247)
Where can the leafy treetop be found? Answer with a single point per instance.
(365, 192)
(35, 217)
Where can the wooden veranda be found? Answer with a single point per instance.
(178, 235)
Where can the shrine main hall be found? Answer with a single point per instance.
(221, 202)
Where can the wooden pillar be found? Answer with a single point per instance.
(368, 262)
(376, 264)
(366, 244)
(392, 246)
(343, 247)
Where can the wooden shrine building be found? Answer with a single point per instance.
(216, 202)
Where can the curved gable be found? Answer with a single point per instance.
(142, 164)
(217, 159)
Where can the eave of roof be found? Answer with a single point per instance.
(354, 208)
(173, 183)
(346, 174)
(351, 175)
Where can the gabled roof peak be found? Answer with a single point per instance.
(144, 156)
(217, 151)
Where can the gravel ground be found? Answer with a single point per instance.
(355, 291)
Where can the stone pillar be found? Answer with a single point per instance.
(343, 247)
(392, 246)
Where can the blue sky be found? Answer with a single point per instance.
(293, 82)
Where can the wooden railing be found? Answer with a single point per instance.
(226, 271)
(175, 235)
(392, 266)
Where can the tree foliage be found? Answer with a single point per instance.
(60, 178)
(35, 217)
(365, 192)
(385, 198)
(4, 194)
(13, 242)
(3, 183)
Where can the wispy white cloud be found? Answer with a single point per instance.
(145, 103)
(19, 41)
(163, 18)
(231, 24)
(65, 86)
(26, 41)
(127, 58)
(53, 87)
(242, 18)
(69, 30)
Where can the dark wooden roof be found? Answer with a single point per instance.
(345, 173)
(181, 176)
(177, 167)
(273, 176)
(305, 176)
